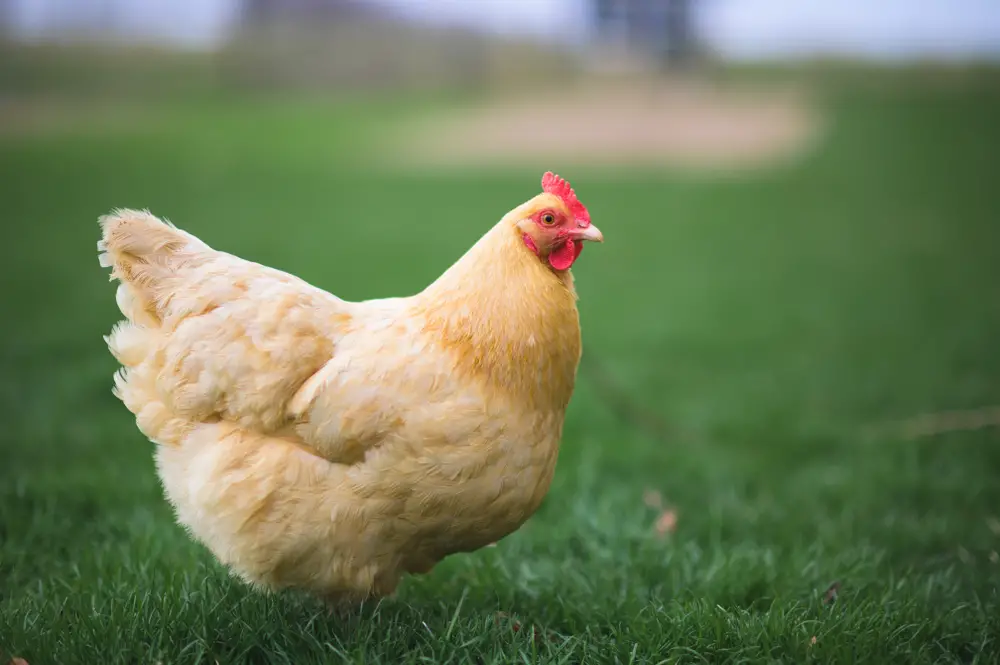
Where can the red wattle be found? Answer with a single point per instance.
(562, 257)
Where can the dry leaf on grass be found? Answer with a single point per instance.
(666, 522)
(831, 593)
(17, 661)
(537, 634)
(812, 640)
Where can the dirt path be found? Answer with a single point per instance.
(686, 125)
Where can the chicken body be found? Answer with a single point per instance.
(334, 446)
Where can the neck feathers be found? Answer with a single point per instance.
(508, 318)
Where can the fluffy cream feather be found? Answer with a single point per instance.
(333, 446)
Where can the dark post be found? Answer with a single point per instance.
(679, 32)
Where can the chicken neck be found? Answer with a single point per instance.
(509, 318)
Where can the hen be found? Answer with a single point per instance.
(334, 446)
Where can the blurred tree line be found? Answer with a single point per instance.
(327, 45)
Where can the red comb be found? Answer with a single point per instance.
(553, 184)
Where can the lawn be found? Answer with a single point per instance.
(752, 345)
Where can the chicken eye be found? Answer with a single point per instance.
(548, 219)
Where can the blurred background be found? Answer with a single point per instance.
(791, 330)
(594, 82)
(663, 55)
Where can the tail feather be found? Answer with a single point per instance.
(144, 252)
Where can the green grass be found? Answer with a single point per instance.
(769, 321)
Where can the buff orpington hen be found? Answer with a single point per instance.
(332, 446)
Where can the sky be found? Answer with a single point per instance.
(747, 29)
(884, 29)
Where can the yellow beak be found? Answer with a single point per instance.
(591, 233)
